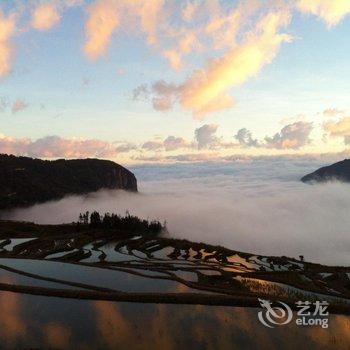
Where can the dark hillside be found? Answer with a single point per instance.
(25, 181)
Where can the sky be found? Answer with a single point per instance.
(174, 81)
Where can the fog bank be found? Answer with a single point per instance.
(257, 206)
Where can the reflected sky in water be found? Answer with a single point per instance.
(31, 321)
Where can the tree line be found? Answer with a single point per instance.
(130, 223)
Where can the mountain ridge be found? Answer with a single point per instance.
(25, 181)
(339, 171)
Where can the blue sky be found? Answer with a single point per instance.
(66, 93)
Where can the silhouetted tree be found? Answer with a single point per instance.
(127, 223)
(95, 219)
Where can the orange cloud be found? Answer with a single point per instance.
(188, 41)
(105, 16)
(45, 16)
(330, 11)
(174, 58)
(7, 30)
(150, 12)
(339, 128)
(207, 88)
(206, 91)
(103, 19)
(216, 28)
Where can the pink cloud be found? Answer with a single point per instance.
(56, 147)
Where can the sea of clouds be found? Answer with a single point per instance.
(254, 205)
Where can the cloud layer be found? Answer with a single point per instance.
(258, 206)
(56, 147)
(205, 145)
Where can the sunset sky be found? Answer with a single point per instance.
(155, 80)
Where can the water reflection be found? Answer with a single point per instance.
(40, 322)
(95, 276)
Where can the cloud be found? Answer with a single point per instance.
(172, 143)
(297, 118)
(165, 95)
(207, 90)
(330, 11)
(339, 128)
(7, 30)
(156, 158)
(106, 16)
(126, 147)
(166, 25)
(194, 157)
(56, 147)
(162, 103)
(140, 92)
(19, 105)
(45, 16)
(4, 104)
(244, 137)
(205, 136)
(217, 25)
(189, 10)
(185, 45)
(150, 14)
(333, 112)
(103, 19)
(152, 145)
(292, 136)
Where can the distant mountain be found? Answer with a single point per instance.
(25, 181)
(338, 171)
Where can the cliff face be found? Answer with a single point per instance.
(25, 181)
(338, 171)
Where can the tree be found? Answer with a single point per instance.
(95, 219)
